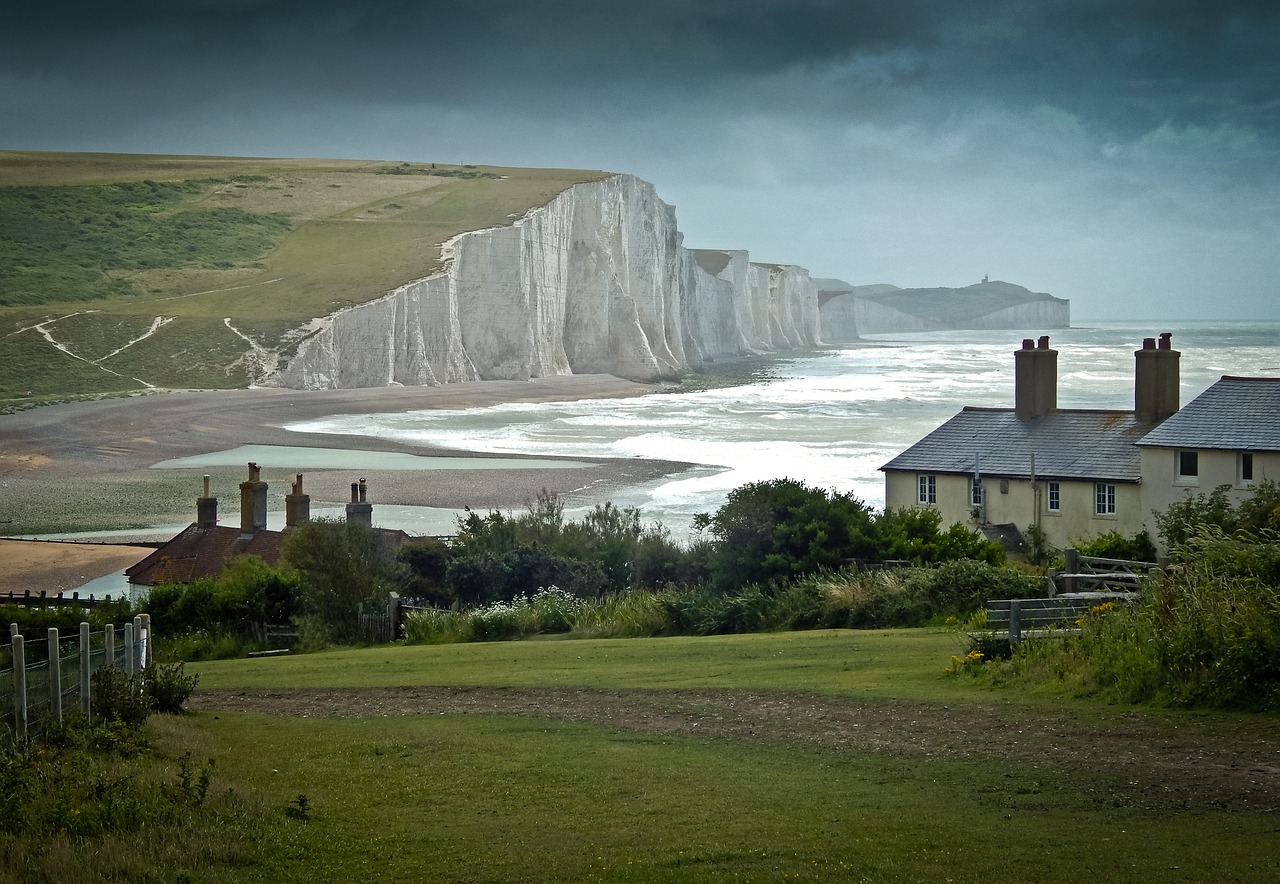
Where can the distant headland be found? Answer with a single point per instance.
(849, 310)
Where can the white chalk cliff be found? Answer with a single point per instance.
(595, 281)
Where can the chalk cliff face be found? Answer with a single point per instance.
(595, 281)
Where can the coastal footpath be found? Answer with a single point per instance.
(596, 281)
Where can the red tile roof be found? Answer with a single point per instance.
(201, 552)
(198, 553)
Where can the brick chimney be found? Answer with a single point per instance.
(360, 511)
(1035, 379)
(253, 502)
(297, 506)
(206, 509)
(1156, 380)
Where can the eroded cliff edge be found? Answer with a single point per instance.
(596, 281)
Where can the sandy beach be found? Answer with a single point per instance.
(86, 466)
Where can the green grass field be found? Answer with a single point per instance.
(636, 792)
(95, 248)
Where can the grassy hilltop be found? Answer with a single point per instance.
(130, 272)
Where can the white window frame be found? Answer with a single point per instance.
(1245, 468)
(1179, 466)
(977, 493)
(927, 489)
(1104, 499)
(1053, 498)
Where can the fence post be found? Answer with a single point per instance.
(128, 649)
(86, 670)
(1015, 621)
(13, 630)
(393, 614)
(55, 677)
(19, 687)
(137, 648)
(1071, 564)
(109, 644)
(148, 647)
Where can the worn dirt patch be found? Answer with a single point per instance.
(1125, 758)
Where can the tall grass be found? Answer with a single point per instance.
(1205, 634)
(845, 599)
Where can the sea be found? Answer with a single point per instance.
(830, 420)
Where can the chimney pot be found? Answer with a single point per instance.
(253, 502)
(207, 508)
(1035, 379)
(297, 506)
(1156, 380)
(360, 511)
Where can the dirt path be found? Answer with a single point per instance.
(1122, 758)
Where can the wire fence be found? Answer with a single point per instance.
(44, 680)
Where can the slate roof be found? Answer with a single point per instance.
(1067, 444)
(1239, 414)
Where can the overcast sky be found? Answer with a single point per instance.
(1121, 153)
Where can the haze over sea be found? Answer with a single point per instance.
(831, 420)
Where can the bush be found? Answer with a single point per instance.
(169, 687)
(115, 696)
(1182, 520)
(960, 588)
(1114, 545)
(777, 531)
(1206, 633)
(340, 566)
(876, 600)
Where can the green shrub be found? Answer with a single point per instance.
(1114, 545)
(1206, 633)
(876, 599)
(115, 696)
(958, 588)
(555, 610)
(634, 614)
(169, 686)
(434, 626)
(205, 645)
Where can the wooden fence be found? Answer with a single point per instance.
(380, 627)
(44, 599)
(1084, 574)
(41, 680)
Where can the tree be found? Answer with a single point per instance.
(341, 564)
(775, 531)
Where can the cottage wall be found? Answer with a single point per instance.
(1075, 519)
(1162, 486)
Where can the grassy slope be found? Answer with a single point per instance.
(483, 798)
(356, 235)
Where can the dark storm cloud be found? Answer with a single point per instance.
(1124, 66)
(901, 139)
